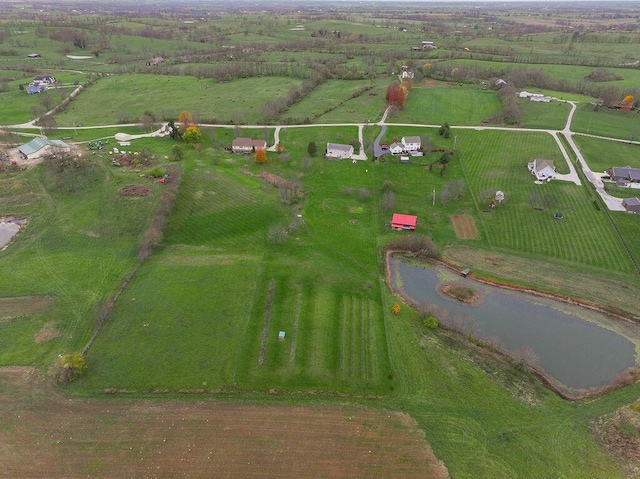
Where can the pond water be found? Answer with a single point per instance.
(565, 342)
(9, 227)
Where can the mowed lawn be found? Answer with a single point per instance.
(131, 96)
(456, 105)
(496, 160)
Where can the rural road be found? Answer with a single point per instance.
(613, 203)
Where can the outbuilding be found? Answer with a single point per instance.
(247, 145)
(632, 205)
(41, 146)
(403, 222)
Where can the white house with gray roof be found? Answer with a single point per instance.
(542, 169)
(338, 151)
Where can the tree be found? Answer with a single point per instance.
(70, 367)
(312, 148)
(628, 99)
(185, 119)
(395, 309)
(48, 124)
(174, 131)
(445, 131)
(192, 135)
(388, 201)
(177, 153)
(396, 94)
(261, 155)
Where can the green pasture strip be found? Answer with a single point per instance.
(177, 325)
(130, 96)
(601, 155)
(369, 106)
(326, 97)
(573, 73)
(551, 115)
(498, 161)
(624, 125)
(457, 105)
(75, 250)
(82, 135)
(470, 407)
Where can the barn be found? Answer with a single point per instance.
(403, 222)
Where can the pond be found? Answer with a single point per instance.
(577, 349)
(9, 227)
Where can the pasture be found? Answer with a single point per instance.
(544, 115)
(606, 122)
(457, 105)
(80, 241)
(130, 97)
(216, 246)
(240, 260)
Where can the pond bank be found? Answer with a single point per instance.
(577, 351)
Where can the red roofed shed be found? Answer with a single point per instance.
(403, 222)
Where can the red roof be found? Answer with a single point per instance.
(404, 220)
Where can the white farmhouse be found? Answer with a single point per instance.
(542, 169)
(411, 143)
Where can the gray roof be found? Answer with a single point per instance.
(338, 146)
(38, 144)
(249, 143)
(631, 202)
(539, 165)
(411, 139)
(625, 172)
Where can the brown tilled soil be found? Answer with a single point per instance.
(620, 436)
(134, 190)
(45, 433)
(22, 305)
(464, 226)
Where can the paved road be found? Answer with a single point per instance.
(612, 203)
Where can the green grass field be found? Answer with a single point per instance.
(457, 105)
(203, 313)
(610, 123)
(130, 96)
(544, 115)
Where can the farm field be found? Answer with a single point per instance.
(337, 99)
(236, 316)
(610, 123)
(80, 241)
(456, 105)
(129, 97)
(572, 73)
(47, 433)
(551, 116)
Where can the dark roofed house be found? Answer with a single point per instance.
(247, 145)
(403, 222)
(632, 205)
(624, 174)
(31, 89)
